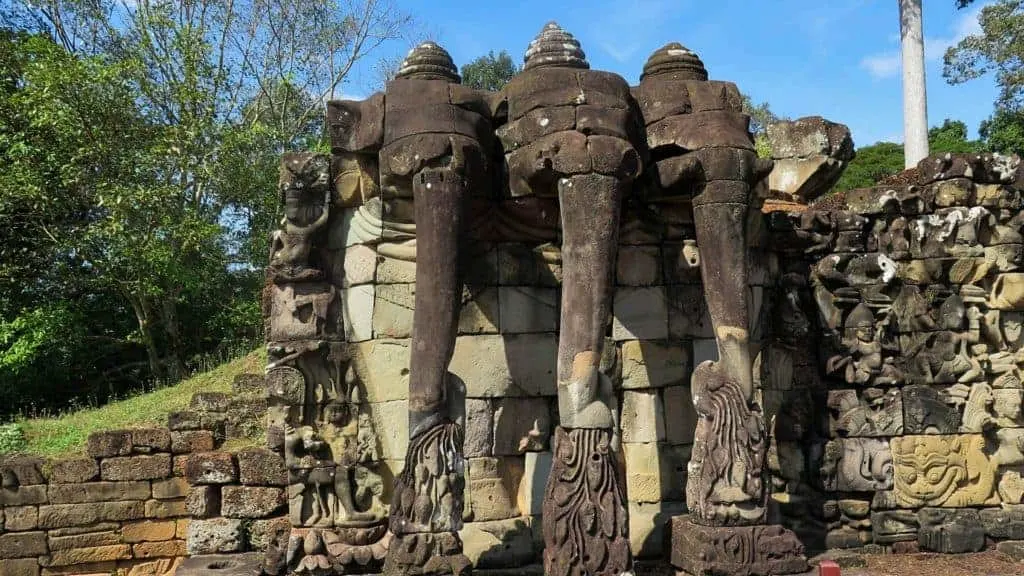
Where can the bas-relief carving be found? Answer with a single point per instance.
(306, 195)
(949, 471)
(856, 464)
(871, 412)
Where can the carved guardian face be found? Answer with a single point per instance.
(931, 472)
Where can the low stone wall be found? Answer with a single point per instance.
(140, 500)
(903, 426)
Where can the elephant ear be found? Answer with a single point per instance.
(763, 167)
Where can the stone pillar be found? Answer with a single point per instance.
(915, 97)
(569, 136)
(703, 152)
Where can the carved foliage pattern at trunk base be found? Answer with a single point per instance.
(585, 522)
(426, 509)
(736, 550)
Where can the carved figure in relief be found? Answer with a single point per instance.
(861, 359)
(303, 449)
(305, 180)
(943, 471)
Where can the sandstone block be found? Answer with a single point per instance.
(648, 527)
(203, 501)
(651, 364)
(524, 265)
(643, 417)
(188, 441)
(479, 428)
(640, 314)
(392, 310)
(170, 488)
(211, 468)
(23, 545)
(357, 311)
(500, 544)
(479, 313)
(149, 440)
(166, 508)
(391, 422)
(638, 266)
(536, 469)
(260, 467)
(84, 514)
(382, 367)
(526, 309)
(21, 518)
(23, 495)
(98, 492)
(76, 556)
(970, 473)
(491, 488)
(680, 415)
(506, 365)
(123, 468)
(359, 265)
(168, 549)
(21, 567)
(262, 530)
(210, 402)
(74, 470)
(521, 425)
(110, 443)
(85, 540)
(215, 536)
(251, 501)
(184, 420)
(149, 531)
(688, 315)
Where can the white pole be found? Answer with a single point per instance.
(915, 99)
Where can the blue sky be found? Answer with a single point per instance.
(834, 58)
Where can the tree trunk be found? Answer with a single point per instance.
(915, 100)
(143, 317)
(169, 319)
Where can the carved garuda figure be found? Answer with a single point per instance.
(306, 195)
(702, 152)
(432, 137)
(570, 135)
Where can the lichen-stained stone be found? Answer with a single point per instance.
(888, 526)
(382, 367)
(506, 365)
(643, 417)
(521, 425)
(525, 309)
(479, 313)
(688, 315)
(391, 422)
(638, 266)
(680, 415)
(124, 468)
(251, 501)
(947, 471)
(951, 531)
(640, 314)
(927, 411)
(1004, 522)
(214, 536)
(357, 309)
(211, 468)
(74, 470)
(393, 310)
(857, 464)
(655, 364)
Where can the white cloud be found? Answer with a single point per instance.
(887, 64)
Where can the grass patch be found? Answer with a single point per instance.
(67, 434)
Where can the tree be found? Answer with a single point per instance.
(761, 116)
(915, 98)
(999, 48)
(1004, 132)
(951, 136)
(490, 72)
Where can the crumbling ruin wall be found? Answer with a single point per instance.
(914, 299)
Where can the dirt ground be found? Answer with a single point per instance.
(989, 563)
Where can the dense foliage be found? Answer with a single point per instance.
(139, 144)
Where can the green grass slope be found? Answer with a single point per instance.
(67, 434)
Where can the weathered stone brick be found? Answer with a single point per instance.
(521, 425)
(22, 567)
(21, 518)
(168, 549)
(65, 515)
(165, 508)
(149, 531)
(203, 501)
(120, 468)
(149, 440)
(23, 495)
(261, 467)
(180, 462)
(479, 428)
(91, 568)
(110, 443)
(680, 415)
(261, 531)
(23, 545)
(74, 470)
(189, 441)
(98, 492)
(26, 470)
(170, 488)
(184, 420)
(251, 501)
(75, 556)
(215, 536)
(76, 530)
(210, 402)
(211, 468)
(649, 364)
(181, 532)
(642, 416)
(87, 540)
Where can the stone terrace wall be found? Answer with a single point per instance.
(125, 507)
(505, 358)
(916, 296)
